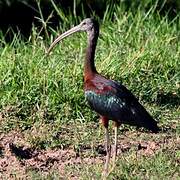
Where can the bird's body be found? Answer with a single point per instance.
(110, 99)
(115, 102)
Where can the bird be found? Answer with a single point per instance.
(110, 99)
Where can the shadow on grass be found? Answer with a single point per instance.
(171, 99)
(21, 152)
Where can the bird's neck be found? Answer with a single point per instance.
(89, 66)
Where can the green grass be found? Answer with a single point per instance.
(43, 96)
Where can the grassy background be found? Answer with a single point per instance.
(43, 96)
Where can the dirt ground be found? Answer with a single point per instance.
(17, 156)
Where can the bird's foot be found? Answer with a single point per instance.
(105, 174)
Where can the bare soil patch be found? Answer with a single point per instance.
(17, 156)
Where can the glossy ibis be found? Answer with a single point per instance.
(110, 99)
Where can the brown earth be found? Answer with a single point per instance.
(17, 156)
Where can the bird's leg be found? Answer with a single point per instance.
(116, 125)
(107, 146)
(108, 151)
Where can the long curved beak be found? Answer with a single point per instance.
(62, 36)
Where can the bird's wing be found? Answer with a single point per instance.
(115, 101)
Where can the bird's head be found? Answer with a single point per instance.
(87, 25)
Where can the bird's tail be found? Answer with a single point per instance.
(152, 126)
(145, 119)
